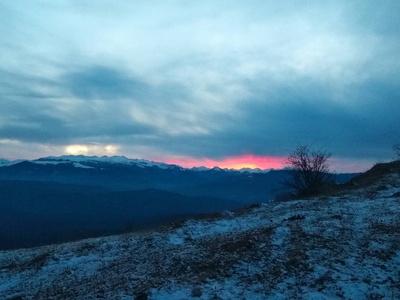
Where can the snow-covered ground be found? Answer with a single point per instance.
(339, 247)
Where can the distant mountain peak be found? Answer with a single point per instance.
(256, 170)
(5, 162)
(82, 159)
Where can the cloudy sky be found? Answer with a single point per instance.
(228, 83)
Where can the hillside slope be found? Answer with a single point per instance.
(343, 246)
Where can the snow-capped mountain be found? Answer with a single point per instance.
(88, 161)
(344, 245)
(82, 160)
(6, 162)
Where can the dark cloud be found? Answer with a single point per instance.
(277, 120)
(14, 84)
(277, 116)
(100, 82)
(213, 80)
(34, 124)
(31, 115)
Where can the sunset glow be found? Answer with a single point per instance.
(231, 162)
(76, 149)
(90, 150)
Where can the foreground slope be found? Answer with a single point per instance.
(345, 246)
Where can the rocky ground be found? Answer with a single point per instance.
(343, 246)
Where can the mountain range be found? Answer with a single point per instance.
(119, 173)
(54, 199)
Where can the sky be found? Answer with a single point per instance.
(227, 83)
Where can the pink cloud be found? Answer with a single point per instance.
(338, 165)
(231, 162)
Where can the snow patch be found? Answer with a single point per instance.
(280, 235)
(175, 239)
(79, 165)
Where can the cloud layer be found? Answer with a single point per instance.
(193, 80)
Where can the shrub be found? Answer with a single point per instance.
(310, 170)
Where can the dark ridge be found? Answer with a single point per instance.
(362, 179)
(376, 172)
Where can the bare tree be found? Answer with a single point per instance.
(310, 170)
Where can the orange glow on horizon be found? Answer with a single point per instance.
(231, 162)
